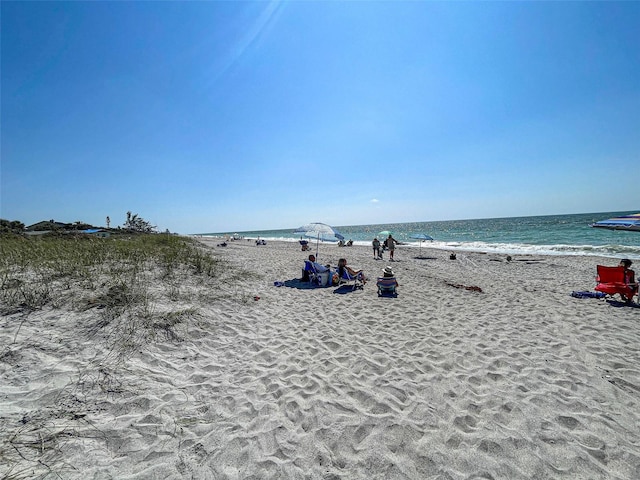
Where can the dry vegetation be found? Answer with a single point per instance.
(116, 273)
(123, 292)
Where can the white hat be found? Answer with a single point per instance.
(388, 270)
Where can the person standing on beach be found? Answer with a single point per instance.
(390, 243)
(376, 248)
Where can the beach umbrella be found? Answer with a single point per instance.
(625, 222)
(319, 231)
(422, 237)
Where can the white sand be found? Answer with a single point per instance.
(520, 381)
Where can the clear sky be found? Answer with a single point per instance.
(235, 116)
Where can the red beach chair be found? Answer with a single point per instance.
(611, 281)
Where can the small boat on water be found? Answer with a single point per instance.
(625, 222)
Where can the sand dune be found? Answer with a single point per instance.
(517, 381)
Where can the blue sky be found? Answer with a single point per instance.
(235, 116)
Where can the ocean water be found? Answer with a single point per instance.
(548, 235)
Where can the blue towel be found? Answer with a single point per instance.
(588, 294)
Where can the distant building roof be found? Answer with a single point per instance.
(47, 225)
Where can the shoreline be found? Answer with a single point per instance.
(488, 249)
(519, 380)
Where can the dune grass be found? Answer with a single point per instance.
(37, 272)
(124, 293)
(142, 285)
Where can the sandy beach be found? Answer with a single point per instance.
(246, 380)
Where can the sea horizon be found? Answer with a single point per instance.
(564, 234)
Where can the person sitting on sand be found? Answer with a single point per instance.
(316, 265)
(388, 273)
(312, 264)
(342, 266)
(387, 284)
(629, 278)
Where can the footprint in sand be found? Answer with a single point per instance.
(362, 432)
(568, 422)
(466, 423)
(490, 447)
(454, 441)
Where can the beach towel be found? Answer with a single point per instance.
(588, 294)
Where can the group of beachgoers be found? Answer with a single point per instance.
(346, 272)
(340, 270)
(388, 281)
(379, 248)
(348, 243)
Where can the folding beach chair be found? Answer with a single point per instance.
(319, 278)
(611, 281)
(346, 278)
(387, 287)
(312, 272)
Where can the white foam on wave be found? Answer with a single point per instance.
(617, 251)
(528, 249)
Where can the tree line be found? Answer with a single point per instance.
(133, 223)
